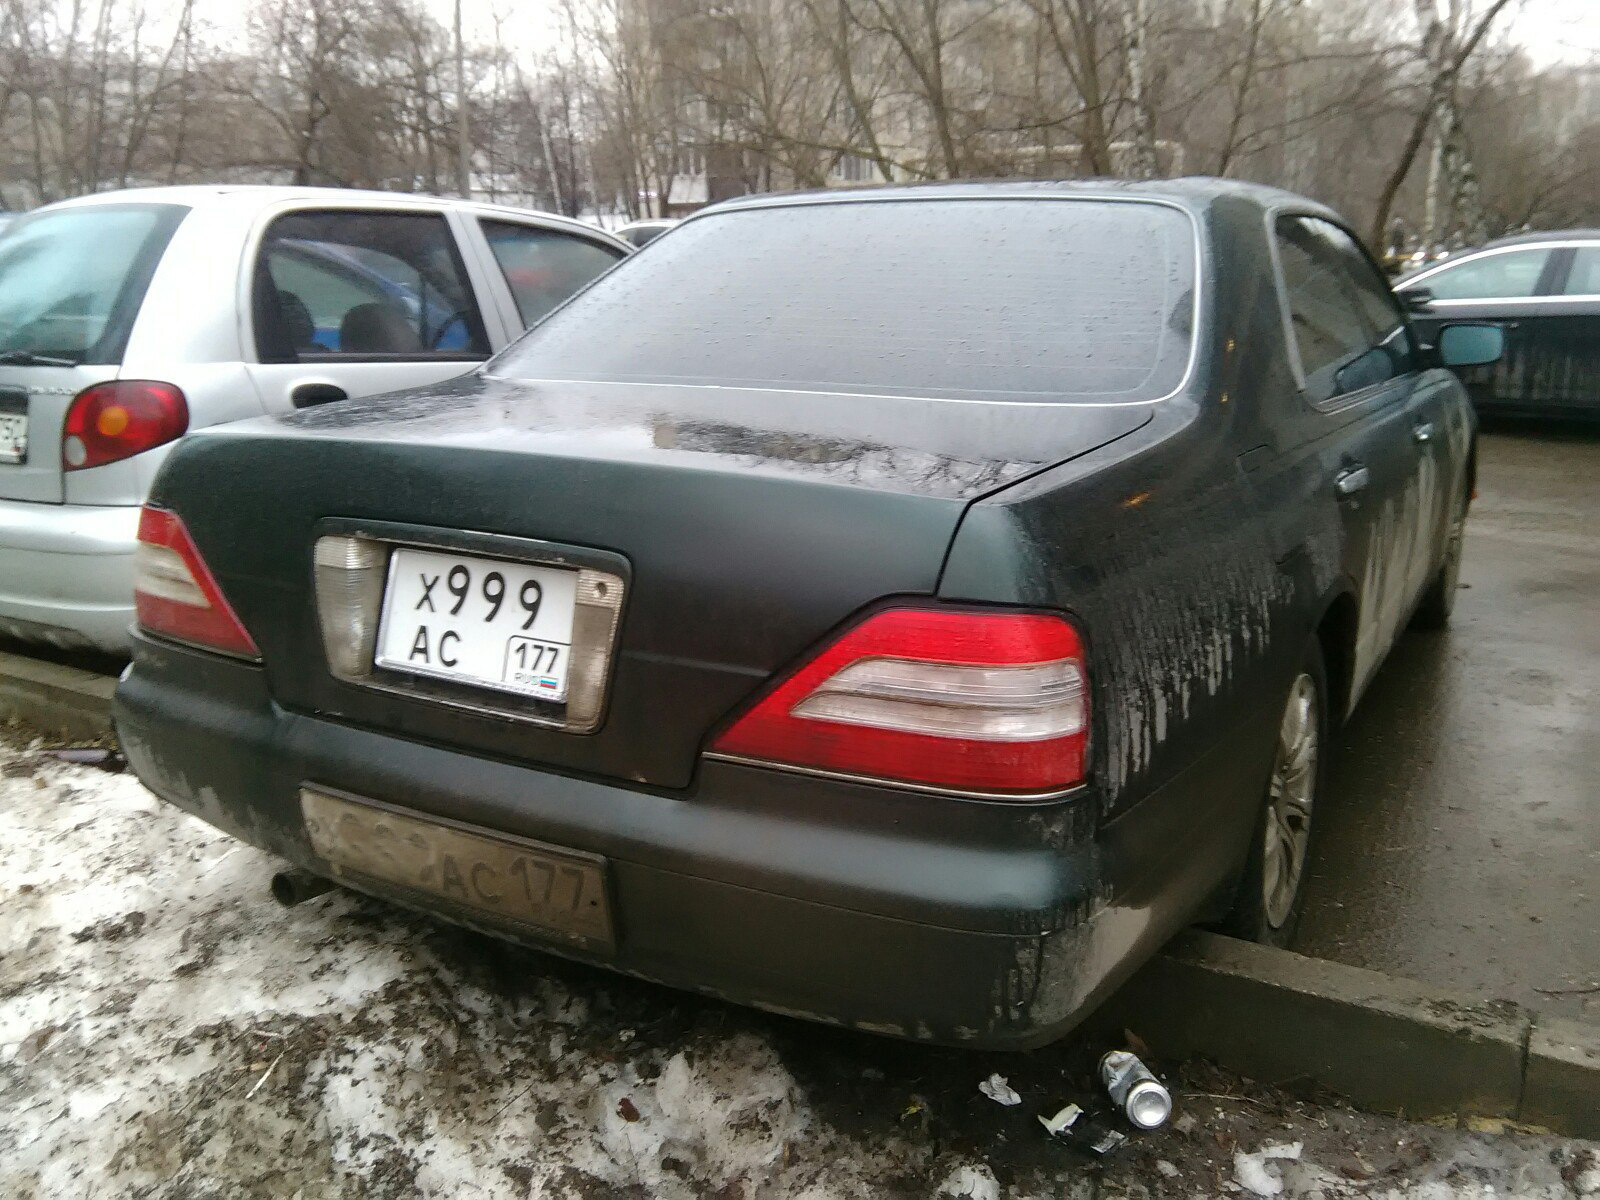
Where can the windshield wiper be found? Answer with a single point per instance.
(27, 358)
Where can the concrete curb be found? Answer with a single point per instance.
(1384, 1043)
(58, 700)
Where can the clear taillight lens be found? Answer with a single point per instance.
(349, 575)
(175, 594)
(966, 700)
(997, 704)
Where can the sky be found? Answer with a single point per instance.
(1551, 31)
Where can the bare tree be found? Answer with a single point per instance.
(1444, 58)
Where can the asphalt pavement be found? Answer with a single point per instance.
(1459, 839)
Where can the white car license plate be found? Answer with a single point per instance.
(479, 621)
(13, 436)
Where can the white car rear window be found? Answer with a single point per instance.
(72, 279)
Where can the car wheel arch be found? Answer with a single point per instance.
(1336, 630)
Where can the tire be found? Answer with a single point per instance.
(1439, 601)
(1271, 890)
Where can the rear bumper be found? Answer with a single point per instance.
(68, 573)
(755, 886)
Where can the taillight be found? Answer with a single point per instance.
(969, 701)
(112, 421)
(175, 594)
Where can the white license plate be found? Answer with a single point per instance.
(13, 437)
(479, 621)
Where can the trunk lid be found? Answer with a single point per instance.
(753, 522)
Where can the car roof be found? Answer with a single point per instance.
(1554, 235)
(1194, 192)
(266, 195)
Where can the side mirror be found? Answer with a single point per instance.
(1471, 345)
(1416, 299)
(1363, 371)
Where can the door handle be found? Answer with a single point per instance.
(307, 395)
(1422, 431)
(1350, 481)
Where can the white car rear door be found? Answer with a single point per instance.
(347, 300)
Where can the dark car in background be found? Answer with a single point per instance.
(1543, 290)
(908, 640)
(641, 233)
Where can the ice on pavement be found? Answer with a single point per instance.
(167, 1030)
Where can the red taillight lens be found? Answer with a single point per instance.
(175, 594)
(113, 421)
(970, 701)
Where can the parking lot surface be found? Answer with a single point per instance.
(1460, 836)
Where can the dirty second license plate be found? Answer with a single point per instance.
(479, 621)
(558, 891)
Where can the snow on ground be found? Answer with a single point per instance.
(167, 1030)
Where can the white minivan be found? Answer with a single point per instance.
(128, 318)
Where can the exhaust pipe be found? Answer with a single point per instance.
(295, 886)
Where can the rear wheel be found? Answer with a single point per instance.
(1271, 892)
(1439, 601)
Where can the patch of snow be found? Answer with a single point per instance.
(1256, 1174)
(970, 1181)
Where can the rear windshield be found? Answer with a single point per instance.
(71, 279)
(1036, 299)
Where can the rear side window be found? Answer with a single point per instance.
(369, 286)
(72, 279)
(1039, 298)
(543, 267)
(1507, 275)
(1583, 278)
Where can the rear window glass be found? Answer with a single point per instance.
(984, 299)
(72, 279)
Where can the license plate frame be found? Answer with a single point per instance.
(553, 892)
(443, 639)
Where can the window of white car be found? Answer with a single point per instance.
(544, 267)
(72, 279)
(363, 286)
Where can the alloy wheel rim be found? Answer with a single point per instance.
(1289, 799)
